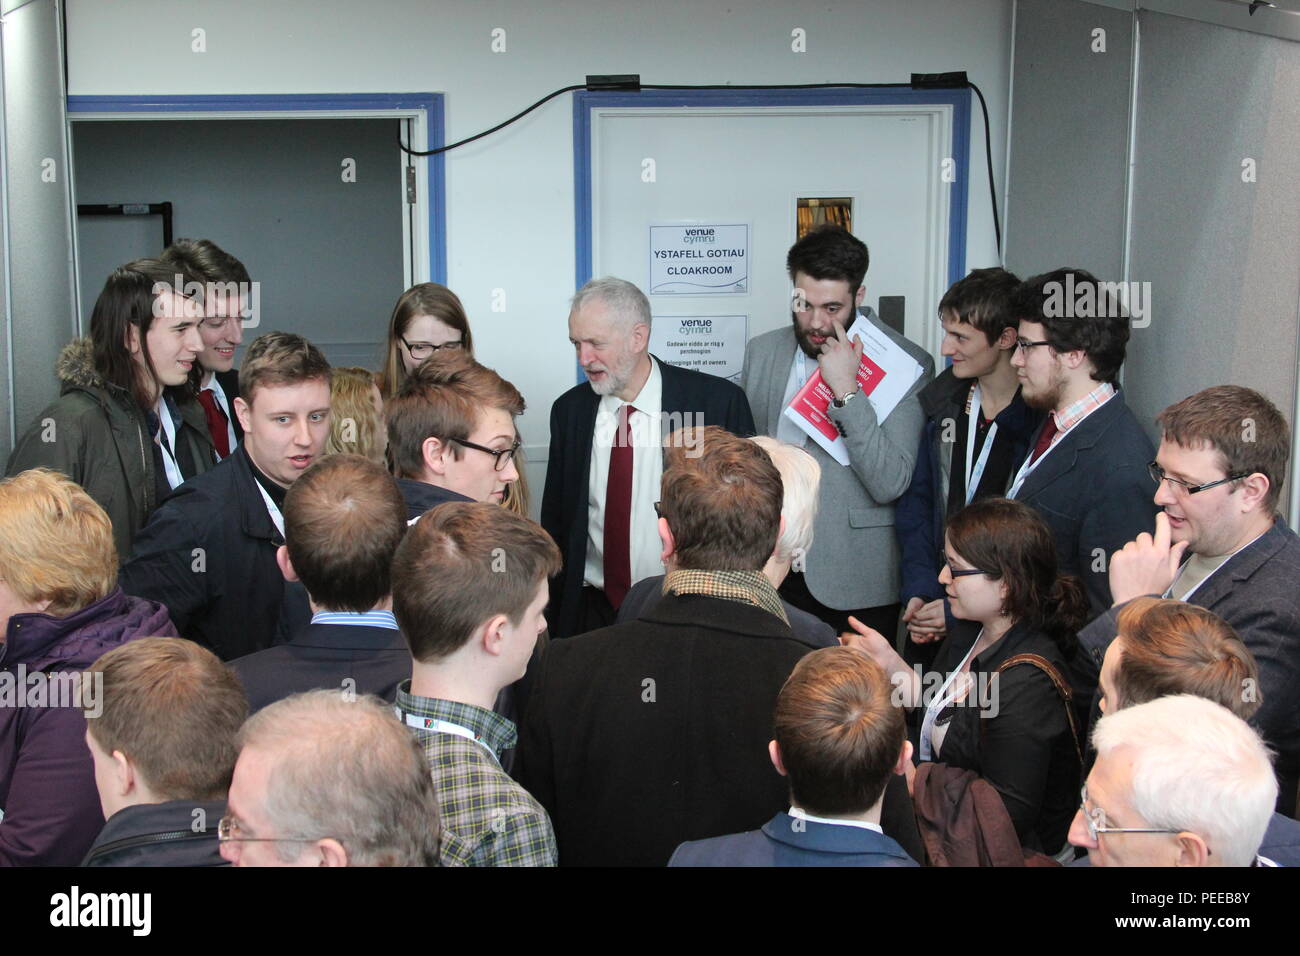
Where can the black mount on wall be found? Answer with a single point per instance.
(163, 209)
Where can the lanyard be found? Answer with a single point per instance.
(434, 725)
(1031, 463)
(167, 439)
(272, 509)
(973, 415)
(1169, 591)
(942, 699)
(801, 372)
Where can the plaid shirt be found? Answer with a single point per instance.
(487, 818)
(1076, 412)
(748, 587)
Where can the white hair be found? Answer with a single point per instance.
(1196, 767)
(627, 304)
(801, 476)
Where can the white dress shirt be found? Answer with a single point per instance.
(647, 469)
(801, 369)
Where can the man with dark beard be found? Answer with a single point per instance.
(1087, 469)
(854, 567)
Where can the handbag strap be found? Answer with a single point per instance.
(1062, 688)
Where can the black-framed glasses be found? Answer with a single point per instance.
(1025, 345)
(422, 350)
(1158, 475)
(228, 830)
(502, 455)
(1096, 820)
(959, 572)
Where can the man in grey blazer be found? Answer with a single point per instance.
(853, 566)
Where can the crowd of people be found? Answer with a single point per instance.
(290, 614)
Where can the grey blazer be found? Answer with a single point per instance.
(853, 561)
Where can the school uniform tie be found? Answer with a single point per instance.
(218, 426)
(1044, 438)
(618, 512)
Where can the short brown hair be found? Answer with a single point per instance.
(839, 733)
(175, 710)
(280, 358)
(56, 542)
(462, 563)
(343, 520)
(1171, 647)
(721, 496)
(1010, 542)
(983, 300)
(1243, 426)
(443, 399)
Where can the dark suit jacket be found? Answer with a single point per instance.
(229, 382)
(1257, 592)
(642, 735)
(420, 496)
(564, 500)
(375, 659)
(208, 554)
(808, 629)
(788, 841)
(1094, 491)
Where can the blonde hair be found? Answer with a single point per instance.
(356, 427)
(56, 543)
(517, 498)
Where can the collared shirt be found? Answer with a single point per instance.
(647, 469)
(223, 402)
(801, 369)
(487, 818)
(862, 824)
(357, 619)
(1076, 412)
(748, 587)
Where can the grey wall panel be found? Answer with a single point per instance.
(327, 253)
(42, 304)
(1222, 255)
(1069, 136)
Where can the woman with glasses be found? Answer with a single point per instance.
(996, 701)
(427, 319)
(127, 426)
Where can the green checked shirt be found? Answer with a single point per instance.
(487, 818)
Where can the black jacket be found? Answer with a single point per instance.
(374, 659)
(1256, 592)
(208, 554)
(1024, 748)
(709, 400)
(1095, 493)
(229, 382)
(643, 735)
(176, 833)
(921, 514)
(420, 496)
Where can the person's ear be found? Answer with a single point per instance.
(244, 412)
(1007, 340)
(1073, 358)
(132, 338)
(774, 752)
(862, 294)
(1192, 850)
(331, 852)
(640, 337)
(434, 453)
(1254, 489)
(904, 758)
(492, 634)
(666, 539)
(286, 566)
(125, 779)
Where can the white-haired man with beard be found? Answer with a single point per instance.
(602, 476)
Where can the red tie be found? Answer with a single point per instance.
(216, 422)
(618, 512)
(1044, 438)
